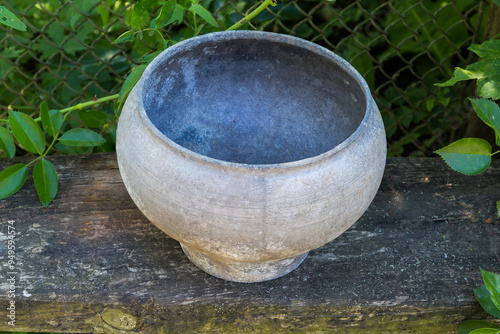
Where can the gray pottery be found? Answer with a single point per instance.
(251, 149)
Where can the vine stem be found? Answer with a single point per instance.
(85, 104)
(91, 103)
(250, 16)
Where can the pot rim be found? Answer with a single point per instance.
(269, 36)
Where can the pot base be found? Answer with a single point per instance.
(243, 272)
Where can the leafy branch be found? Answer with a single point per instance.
(488, 296)
(30, 135)
(472, 156)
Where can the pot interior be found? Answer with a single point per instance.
(253, 101)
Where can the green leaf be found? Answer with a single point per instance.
(198, 30)
(470, 325)
(469, 156)
(489, 112)
(488, 50)
(178, 15)
(81, 138)
(44, 108)
(27, 132)
(10, 19)
(92, 118)
(46, 179)
(104, 12)
(498, 209)
(72, 149)
(205, 14)
(429, 104)
(140, 17)
(77, 44)
(166, 12)
(46, 49)
(55, 33)
(149, 57)
(488, 78)
(85, 6)
(75, 18)
(484, 298)
(404, 116)
(127, 36)
(492, 283)
(12, 179)
(496, 2)
(52, 120)
(130, 82)
(459, 75)
(486, 71)
(7, 143)
(485, 331)
(12, 53)
(150, 5)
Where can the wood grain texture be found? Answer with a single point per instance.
(92, 263)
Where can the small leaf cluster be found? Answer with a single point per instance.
(30, 136)
(488, 296)
(472, 156)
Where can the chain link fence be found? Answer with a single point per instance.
(401, 48)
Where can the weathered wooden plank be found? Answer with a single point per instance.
(91, 260)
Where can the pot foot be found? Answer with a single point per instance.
(243, 272)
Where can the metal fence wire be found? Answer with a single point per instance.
(402, 48)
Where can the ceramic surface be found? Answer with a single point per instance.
(251, 149)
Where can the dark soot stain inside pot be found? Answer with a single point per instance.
(253, 101)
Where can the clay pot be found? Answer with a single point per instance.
(251, 149)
